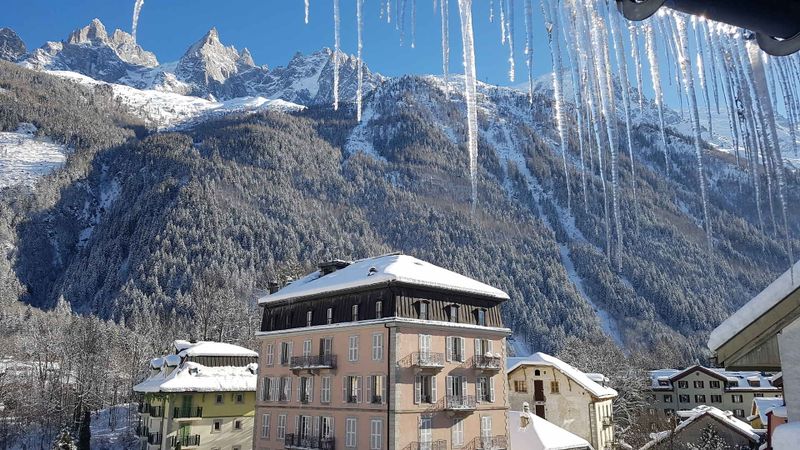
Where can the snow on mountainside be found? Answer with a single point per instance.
(24, 157)
(11, 46)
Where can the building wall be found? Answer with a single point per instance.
(790, 359)
(693, 433)
(572, 407)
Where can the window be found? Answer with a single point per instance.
(425, 389)
(237, 424)
(286, 389)
(351, 389)
(330, 316)
(683, 385)
(716, 399)
(265, 419)
(736, 398)
(325, 394)
(758, 394)
(281, 427)
(455, 348)
(699, 384)
(422, 310)
(377, 346)
(270, 354)
(220, 399)
(309, 317)
(355, 313)
(306, 388)
(457, 432)
(265, 389)
(307, 348)
(350, 432)
(484, 388)
(239, 397)
(216, 426)
(286, 353)
(486, 428)
(375, 389)
(326, 427)
(699, 398)
(683, 398)
(663, 382)
(520, 386)
(379, 309)
(425, 435)
(667, 398)
(537, 372)
(714, 384)
(733, 384)
(480, 316)
(738, 412)
(554, 387)
(352, 352)
(452, 313)
(375, 434)
(326, 346)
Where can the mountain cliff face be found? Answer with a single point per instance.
(11, 46)
(141, 228)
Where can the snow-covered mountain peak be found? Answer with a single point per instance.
(246, 59)
(94, 33)
(208, 62)
(11, 46)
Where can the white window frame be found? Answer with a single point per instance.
(351, 432)
(379, 309)
(281, 430)
(309, 317)
(354, 313)
(270, 354)
(377, 346)
(425, 432)
(352, 351)
(265, 425)
(376, 434)
(329, 316)
(307, 347)
(457, 434)
(214, 423)
(325, 390)
(486, 427)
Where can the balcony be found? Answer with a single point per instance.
(191, 440)
(142, 431)
(429, 445)
(460, 403)
(156, 411)
(427, 360)
(154, 439)
(488, 443)
(188, 413)
(296, 441)
(486, 362)
(315, 362)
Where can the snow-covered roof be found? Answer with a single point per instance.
(194, 377)
(540, 434)
(763, 405)
(755, 308)
(208, 348)
(786, 436)
(543, 359)
(723, 417)
(741, 378)
(383, 270)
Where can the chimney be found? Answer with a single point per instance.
(328, 267)
(273, 287)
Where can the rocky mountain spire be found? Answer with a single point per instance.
(11, 46)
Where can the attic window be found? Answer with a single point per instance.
(422, 310)
(330, 316)
(480, 316)
(193, 371)
(372, 271)
(452, 311)
(355, 313)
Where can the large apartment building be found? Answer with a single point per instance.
(681, 390)
(202, 397)
(382, 353)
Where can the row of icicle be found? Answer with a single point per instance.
(698, 54)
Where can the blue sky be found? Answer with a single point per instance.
(274, 30)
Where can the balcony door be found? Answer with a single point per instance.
(538, 390)
(425, 435)
(326, 427)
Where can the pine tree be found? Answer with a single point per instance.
(710, 439)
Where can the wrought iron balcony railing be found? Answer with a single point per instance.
(460, 402)
(313, 362)
(187, 413)
(316, 442)
(191, 440)
(427, 360)
(440, 444)
(489, 443)
(484, 362)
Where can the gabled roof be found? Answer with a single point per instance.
(723, 418)
(540, 434)
(543, 359)
(383, 270)
(763, 405)
(741, 378)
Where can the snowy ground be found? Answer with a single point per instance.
(166, 110)
(24, 157)
(114, 428)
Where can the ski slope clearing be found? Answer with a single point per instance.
(24, 157)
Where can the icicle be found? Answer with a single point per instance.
(137, 9)
(633, 31)
(503, 22)
(401, 20)
(445, 13)
(576, 94)
(655, 76)
(470, 93)
(688, 79)
(701, 72)
(388, 11)
(510, 39)
(788, 102)
(529, 46)
(335, 55)
(359, 90)
(307, 5)
(673, 42)
(552, 24)
(712, 47)
(728, 88)
(491, 11)
(413, 23)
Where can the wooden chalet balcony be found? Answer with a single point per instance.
(460, 403)
(440, 444)
(154, 439)
(191, 440)
(488, 443)
(427, 360)
(313, 362)
(296, 441)
(485, 362)
(187, 413)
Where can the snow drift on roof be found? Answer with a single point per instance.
(543, 359)
(766, 404)
(741, 378)
(193, 377)
(725, 418)
(540, 434)
(207, 348)
(382, 270)
(755, 308)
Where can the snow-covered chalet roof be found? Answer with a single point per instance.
(723, 417)
(208, 348)
(379, 270)
(755, 308)
(194, 377)
(543, 359)
(540, 434)
(763, 405)
(741, 378)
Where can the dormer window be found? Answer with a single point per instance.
(480, 316)
(330, 316)
(378, 309)
(355, 313)
(452, 312)
(309, 316)
(422, 310)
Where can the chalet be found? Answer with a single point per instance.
(706, 427)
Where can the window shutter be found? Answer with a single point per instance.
(433, 389)
(477, 347)
(344, 388)
(384, 390)
(478, 390)
(491, 389)
(291, 348)
(369, 388)
(317, 420)
(358, 389)
(449, 353)
(299, 388)
(311, 389)
(489, 347)
(417, 389)
(288, 388)
(449, 386)
(461, 355)
(463, 385)
(421, 342)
